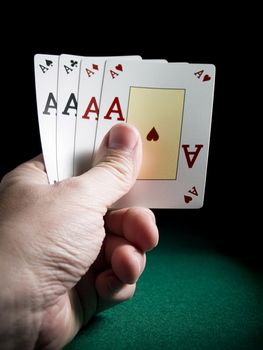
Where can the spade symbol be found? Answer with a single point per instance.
(152, 135)
(49, 63)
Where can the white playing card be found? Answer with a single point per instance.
(46, 76)
(171, 105)
(90, 82)
(69, 68)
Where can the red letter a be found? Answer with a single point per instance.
(117, 110)
(194, 154)
(92, 103)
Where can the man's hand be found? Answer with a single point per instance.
(63, 255)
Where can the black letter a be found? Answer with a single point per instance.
(51, 103)
(74, 105)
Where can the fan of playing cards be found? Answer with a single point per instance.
(80, 98)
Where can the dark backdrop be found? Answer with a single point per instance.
(203, 37)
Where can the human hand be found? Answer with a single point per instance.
(63, 255)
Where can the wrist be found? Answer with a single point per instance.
(19, 328)
(20, 318)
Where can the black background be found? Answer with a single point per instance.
(217, 36)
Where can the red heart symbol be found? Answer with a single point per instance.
(119, 67)
(153, 135)
(206, 77)
(187, 199)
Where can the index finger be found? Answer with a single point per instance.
(137, 225)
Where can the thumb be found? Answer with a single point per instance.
(116, 166)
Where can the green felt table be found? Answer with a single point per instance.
(191, 296)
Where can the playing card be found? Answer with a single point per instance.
(90, 82)
(46, 76)
(171, 105)
(68, 82)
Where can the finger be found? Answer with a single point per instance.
(137, 225)
(127, 262)
(116, 167)
(111, 291)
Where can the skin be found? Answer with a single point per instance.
(63, 255)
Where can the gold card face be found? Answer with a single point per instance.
(157, 114)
